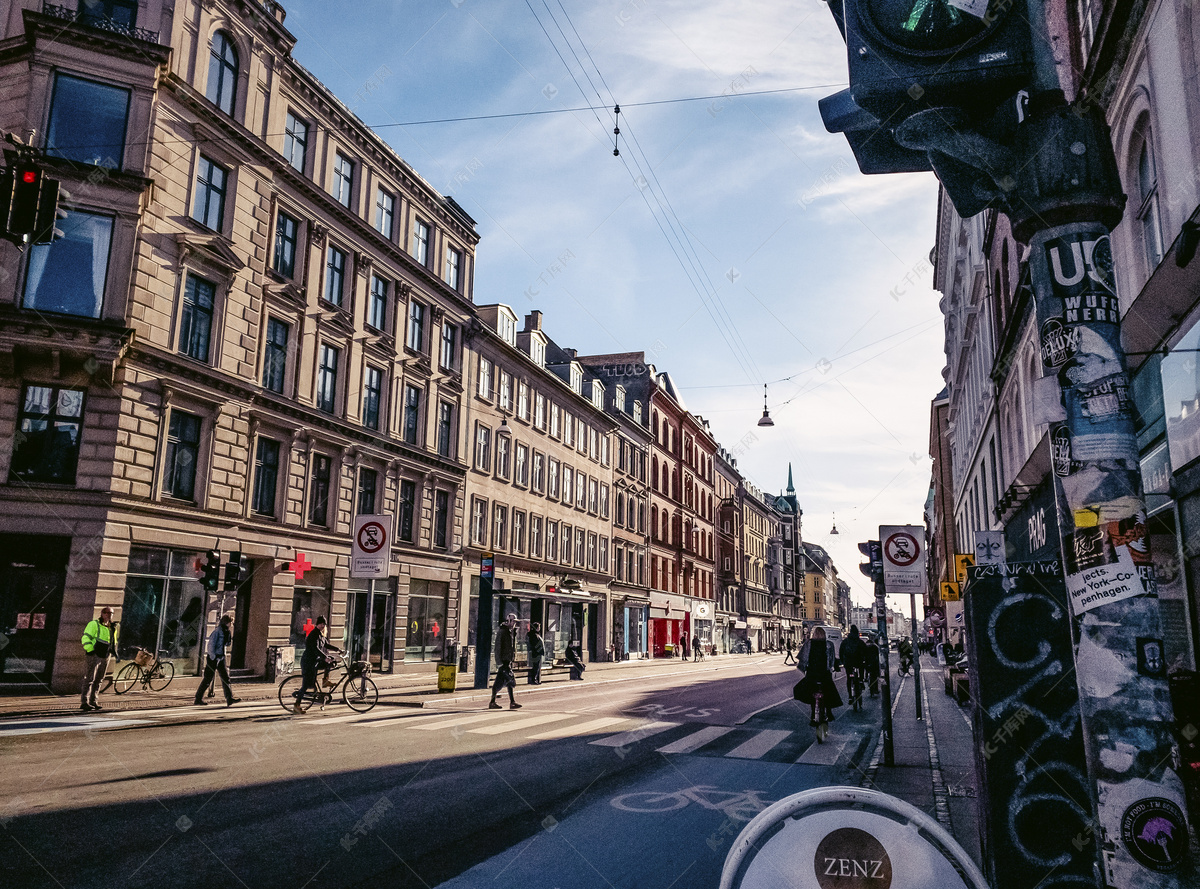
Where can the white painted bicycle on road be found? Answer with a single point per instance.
(737, 805)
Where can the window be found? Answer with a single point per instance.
(479, 522)
(637, 412)
(593, 495)
(568, 485)
(483, 453)
(604, 450)
(266, 476)
(567, 539)
(385, 213)
(416, 326)
(592, 543)
(209, 206)
(577, 378)
(505, 391)
(553, 490)
(506, 326)
(581, 492)
(539, 472)
(603, 501)
(518, 531)
(46, 446)
(539, 411)
(275, 359)
(183, 450)
(335, 274)
(537, 351)
(484, 389)
(343, 176)
(222, 72)
(580, 552)
(551, 540)
(502, 443)
(535, 536)
(619, 398)
(87, 122)
(327, 379)
(69, 275)
(195, 322)
(368, 484)
(554, 421)
(453, 268)
(377, 309)
(286, 229)
(568, 429)
(449, 340)
(372, 394)
(499, 526)
(521, 467)
(594, 443)
(445, 432)
(420, 242)
(412, 414)
(523, 401)
(295, 141)
(318, 500)
(1147, 209)
(441, 518)
(408, 500)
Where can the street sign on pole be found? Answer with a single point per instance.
(370, 553)
(903, 558)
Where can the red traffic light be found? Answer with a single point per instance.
(29, 176)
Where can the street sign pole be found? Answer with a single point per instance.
(889, 752)
(916, 657)
(483, 631)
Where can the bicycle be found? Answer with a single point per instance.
(148, 669)
(854, 685)
(905, 666)
(820, 716)
(359, 691)
(737, 806)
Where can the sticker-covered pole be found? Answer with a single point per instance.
(1068, 198)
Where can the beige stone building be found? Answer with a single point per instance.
(540, 485)
(250, 333)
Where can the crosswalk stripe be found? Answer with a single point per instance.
(191, 711)
(75, 724)
(326, 720)
(490, 716)
(696, 740)
(824, 754)
(519, 724)
(404, 718)
(581, 729)
(759, 744)
(635, 735)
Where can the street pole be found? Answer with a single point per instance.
(483, 623)
(916, 657)
(889, 753)
(1067, 199)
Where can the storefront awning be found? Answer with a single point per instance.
(636, 601)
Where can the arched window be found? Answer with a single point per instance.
(222, 72)
(1148, 227)
(654, 475)
(620, 515)
(654, 520)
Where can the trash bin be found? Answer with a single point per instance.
(447, 677)
(274, 661)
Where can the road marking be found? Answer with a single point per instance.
(520, 724)
(66, 724)
(581, 729)
(404, 718)
(490, 716)
(824, 754)
(330, 719)
(759, 744)
(191, 711)
(624, 739)
(696, 740)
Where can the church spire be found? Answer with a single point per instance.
(790, 488)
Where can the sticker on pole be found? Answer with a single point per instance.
(370, 554)
(847, 838)
(903, 558)
(1108, 563)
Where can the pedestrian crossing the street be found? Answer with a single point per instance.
(614, 732)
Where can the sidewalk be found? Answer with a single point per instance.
(404, 689)
(935, 764)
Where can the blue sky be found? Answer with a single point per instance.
(783, 263)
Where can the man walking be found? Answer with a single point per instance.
(537, 650)
(214, 664)
(97, 646)
(790, 648)
(506, 653)
(697, 652)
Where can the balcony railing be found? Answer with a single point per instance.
(98, 21)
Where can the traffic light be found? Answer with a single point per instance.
(23, 206)
(211, 574)
(910, 55)
(29, 205)
(234, 572)
(48, 213)
(873, 569)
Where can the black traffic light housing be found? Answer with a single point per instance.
(873, 569)
(210, 576)
(26, 193)
(234, 572)
(29, 204)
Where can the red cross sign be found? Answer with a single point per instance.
(299, 566)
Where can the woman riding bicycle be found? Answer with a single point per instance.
(816, 660)
(853, 655)
(316, 654)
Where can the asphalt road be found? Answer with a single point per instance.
(642, 782)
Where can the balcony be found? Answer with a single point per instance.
(98, 20)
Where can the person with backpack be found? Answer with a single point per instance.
(97, 646)
(537, 651)
(852, 655)
(816, 660)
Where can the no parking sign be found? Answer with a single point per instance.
(370, 554)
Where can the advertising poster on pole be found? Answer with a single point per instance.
(903, 558)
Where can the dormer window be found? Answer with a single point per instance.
(619, 399)
(637, 412)
(537, 351)
(506, 326)
(598, 394)
(577, 378)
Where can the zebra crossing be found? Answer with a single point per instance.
(614, 732)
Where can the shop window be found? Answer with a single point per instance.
(428, 605)
(46, 444)
(163, 609)
(87, 122)
(69, 275)
(310, 600)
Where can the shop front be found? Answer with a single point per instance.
(371, 622)
(629, 628)
(670, 623)
(702, 625)
(754, 633)
(567, 617)
(33, 571)
(165, 608)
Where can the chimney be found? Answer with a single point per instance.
(572, 353)
(533, 321)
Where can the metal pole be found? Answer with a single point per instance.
(916, 658)
(1069, 198)
(366, 655)
(889, 753)
(483, 625)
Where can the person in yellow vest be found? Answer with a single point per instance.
(97, 646)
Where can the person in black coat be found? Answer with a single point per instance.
(537, 650)
(816, 660)
(871, 663)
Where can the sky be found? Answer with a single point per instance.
(732, 239)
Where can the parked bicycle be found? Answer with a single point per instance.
(147, 668)
(357, 689)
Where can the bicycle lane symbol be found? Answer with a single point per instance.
(739, 806)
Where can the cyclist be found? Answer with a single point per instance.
(316, 653)
(852, 654)
(904, 648)
(816, 660)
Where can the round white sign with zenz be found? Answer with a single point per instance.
(847, 838)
